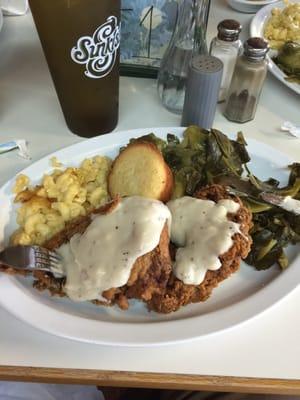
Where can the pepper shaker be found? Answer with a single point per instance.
(201, 96)
(227, 47)
(247, 82)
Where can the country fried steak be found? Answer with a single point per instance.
(149, 273)
(177, 293)
(151, 279)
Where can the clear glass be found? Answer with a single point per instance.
(245, 89)
(189, 38)
(227, 52)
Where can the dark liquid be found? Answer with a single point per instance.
(90, 105)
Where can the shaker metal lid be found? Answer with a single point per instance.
(229, 30)
(256, 48)
(206, 64)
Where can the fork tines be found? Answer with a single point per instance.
(48, 256)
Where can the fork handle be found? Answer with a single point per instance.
(18, 257)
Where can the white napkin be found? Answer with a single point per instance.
(294, 130)
(14, 7)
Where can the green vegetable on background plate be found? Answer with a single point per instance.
(288, 60)
(205, 157)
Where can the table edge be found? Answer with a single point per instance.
(150, 380)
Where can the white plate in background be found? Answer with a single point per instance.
(244, 295)
(257, 29)
(249, 6)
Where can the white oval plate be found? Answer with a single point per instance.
(244, 295)
(257, 29)
(249, 6)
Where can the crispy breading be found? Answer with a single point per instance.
(151, 279)
(177, 293)
(149, 274)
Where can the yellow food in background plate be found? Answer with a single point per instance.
(283, 25)
(62, 195)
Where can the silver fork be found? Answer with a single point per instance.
(32, 258)
(270, 198)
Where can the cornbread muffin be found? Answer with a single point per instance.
(140, 170)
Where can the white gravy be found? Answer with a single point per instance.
(202, 231)
(102, 257)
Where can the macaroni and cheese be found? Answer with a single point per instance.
(284, 25)
(62, 196)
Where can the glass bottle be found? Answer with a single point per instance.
(227, 47)
(247, 81)
(189, 38)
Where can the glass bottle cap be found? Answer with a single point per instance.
(256, 48)
(229, 30)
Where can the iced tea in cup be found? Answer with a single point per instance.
(81, 42)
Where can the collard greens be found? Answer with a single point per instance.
(206, 157)
(288, 60)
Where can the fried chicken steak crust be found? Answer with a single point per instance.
(149, 274)
(151, 279)
(177, 293)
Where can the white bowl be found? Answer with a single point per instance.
(249, 6)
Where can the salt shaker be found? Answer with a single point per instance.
(247, 81)
(227, 47)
